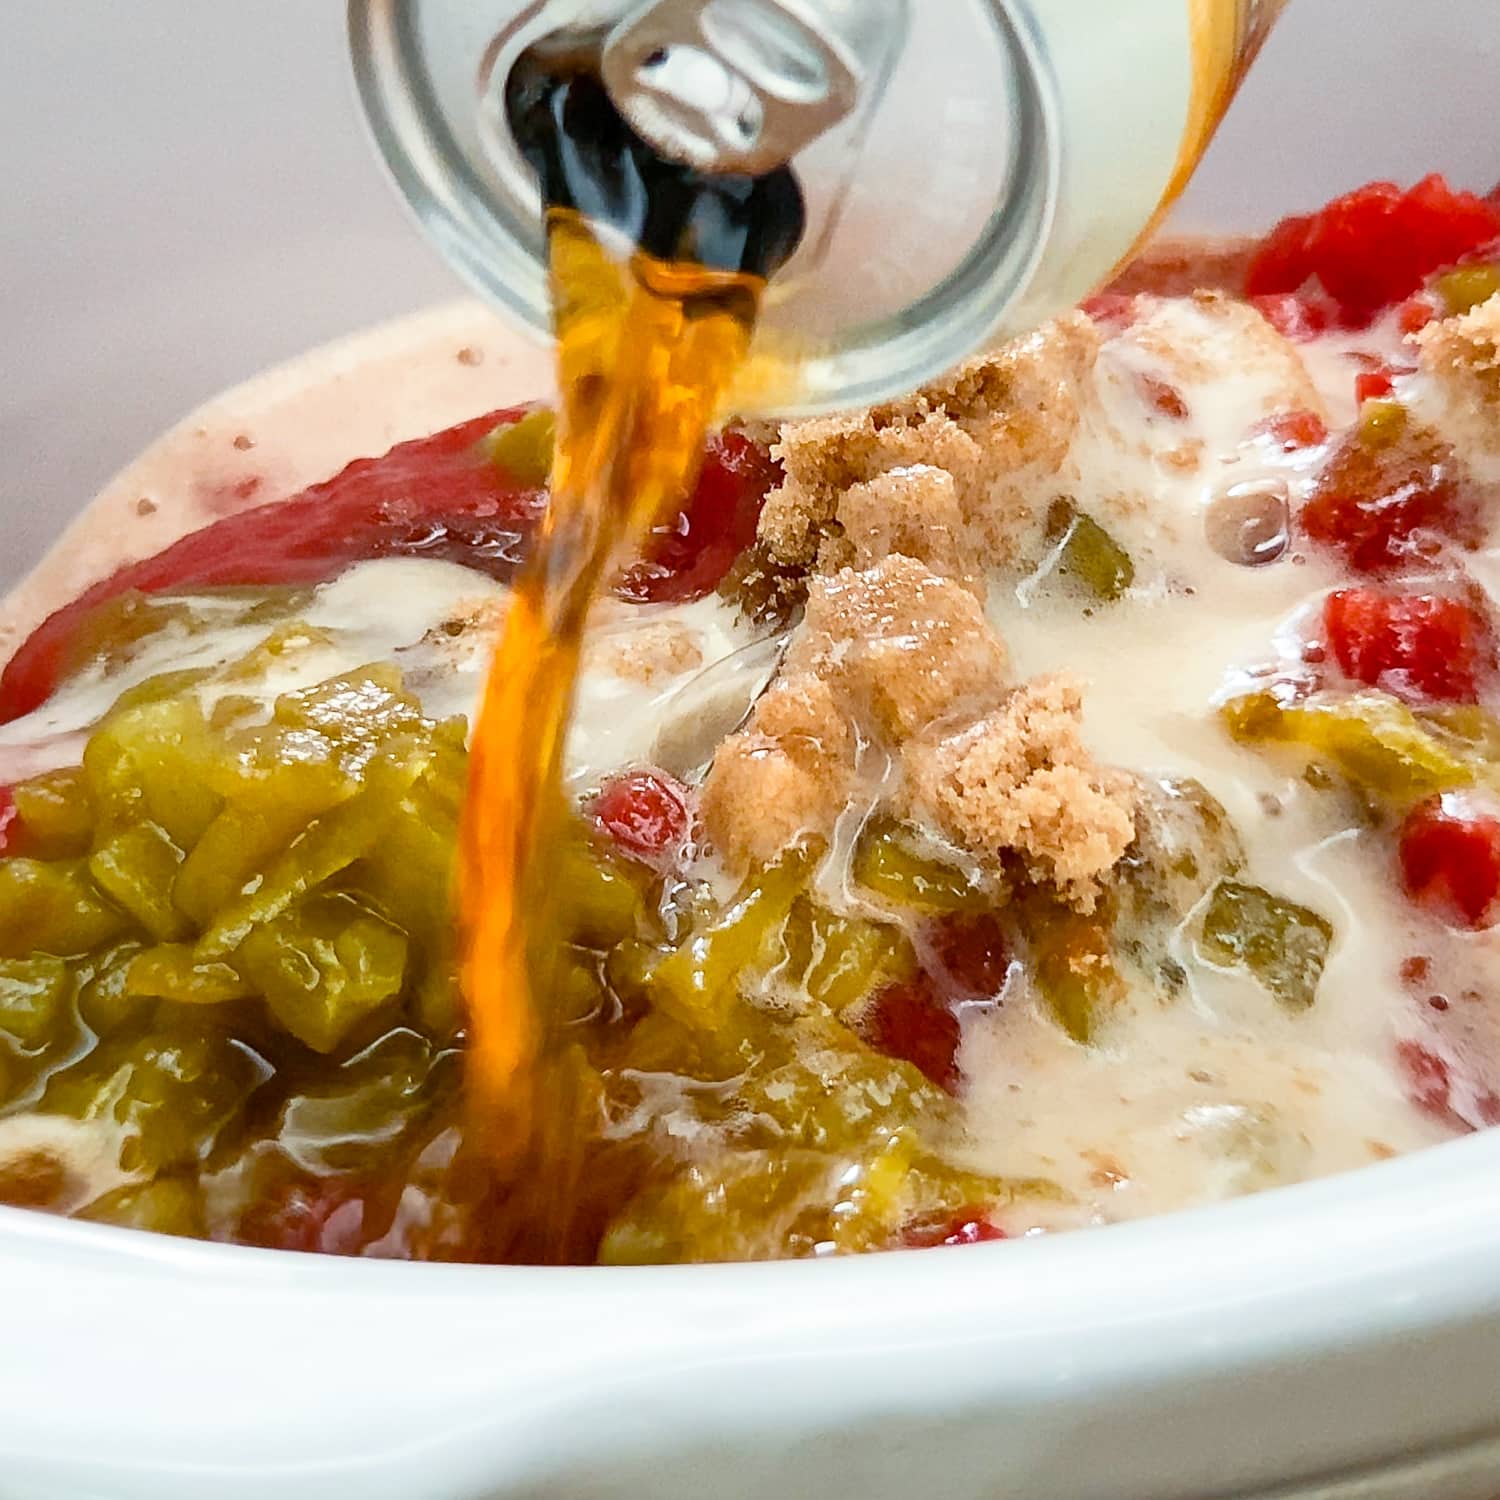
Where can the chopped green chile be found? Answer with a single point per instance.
(254, 914)
(154, 763)
(1075, 968)
(1283, 945)
(326, 848)
(165, 1205)
(109, 632)
(888, 864)
(1087, 554)
(106, 1000)
(696, 983)
(818, 1091)
(1466, 287)
(1393, 755)
(1184, 843)
(173, 971)
(604, 893)
(524, 448)
(850, 957)
(137, 869)
(798, 1204)
(55, 811)
(166, 1094)
(370, 1103)
(53, 908)
(33, 994)
(272, 813)
(324, 967)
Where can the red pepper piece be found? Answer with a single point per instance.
(1417, 312)
(1280, 261)
(1295, 429)
(968, 1227)
(1384, 505)
(1422, 647)
(1428, 1082)
(1372, 385)
(1375, 246)
(647, 815)
(1449, 850)
(688, 556)
(329, 1216)
(969, 956)
(1431, 1085)
(1296, 318)
(912, 1022)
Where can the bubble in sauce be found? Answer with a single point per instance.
(1249, 523)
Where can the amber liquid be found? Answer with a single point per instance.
(656, 281)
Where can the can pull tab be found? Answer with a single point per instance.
(741, 86)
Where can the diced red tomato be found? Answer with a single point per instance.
(10, 822)
(1294, 317)
(968, 1227)
(1372, 385)
(438, 497)
(1295, 429)
(1280, 263)
(970, 955)
(646, 813)
(1449, 850)
(1385, 504)
(1427, 1079)
(1416, 971)
(1432, 1087)
(1417, 312)
(1373, 247)
(912, 1022)
(326, 1215)
(689, 555)
(1422, 647)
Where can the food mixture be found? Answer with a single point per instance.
(1067, 794)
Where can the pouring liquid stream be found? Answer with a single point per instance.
(656, 278)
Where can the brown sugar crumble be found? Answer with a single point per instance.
(1020, 781)
(993, 426)
(1461, 358)
(896, 669)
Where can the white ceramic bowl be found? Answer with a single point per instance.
(188, 199)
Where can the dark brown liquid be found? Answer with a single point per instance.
(657, 273)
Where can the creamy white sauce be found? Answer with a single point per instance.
(401, 610)
(1221, 1090)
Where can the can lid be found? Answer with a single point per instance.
(929, 204)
